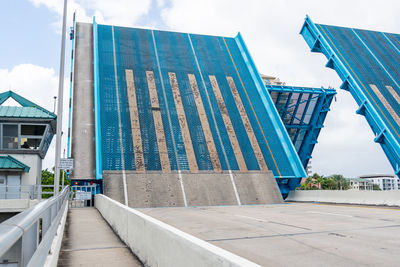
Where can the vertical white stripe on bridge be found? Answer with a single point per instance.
(119, 123)
(135, 126)
(228, 124)
(187, 140)
(385, 103)
(393, 92)
(247, 125)
(215, 123)
(204, 124)
(155, 106)
(169, 121)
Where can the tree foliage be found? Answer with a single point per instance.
(48, 179)
(376, 187)
(319, 182)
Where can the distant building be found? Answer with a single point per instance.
(271, 80)
(309, 168)
(25, 135)
(384, 181)
(360, 184)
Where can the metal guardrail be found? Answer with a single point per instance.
(25, 191)
(18, 192)
(40, 193)
(25, 239)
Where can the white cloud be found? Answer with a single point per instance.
(346, 144)
(117, 12)
(56, 6)
(120, 12)
(160, 3)
(271, 31)
(39, 85)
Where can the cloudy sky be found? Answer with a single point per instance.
(30, 44)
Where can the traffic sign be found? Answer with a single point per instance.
(82, 195)
(67, 164)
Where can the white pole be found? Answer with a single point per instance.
(63, 173)
(60, 104)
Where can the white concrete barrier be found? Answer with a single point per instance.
(16, 205)
(158, 244)
(387, 198)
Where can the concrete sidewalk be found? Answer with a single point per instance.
(90, 241)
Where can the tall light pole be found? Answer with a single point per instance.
(60, 104)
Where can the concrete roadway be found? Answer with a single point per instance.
(296, 234)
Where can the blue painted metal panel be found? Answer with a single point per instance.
(129, 56)
(362, 58)
(278, 137)
(163, 46)
(306, 122)
(98, 140)
(210, 64)
(163, 52)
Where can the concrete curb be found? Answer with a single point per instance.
(383, 198)
(158, 244)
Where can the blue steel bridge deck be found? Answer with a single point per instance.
(368, 62)
(217, 64)
(303, 111)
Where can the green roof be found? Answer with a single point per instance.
(24, 112)
(10, 163)
(28, 109)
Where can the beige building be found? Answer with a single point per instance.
(271, 80)
(359, 184)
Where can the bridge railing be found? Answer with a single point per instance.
(25, 191)
(26, 238)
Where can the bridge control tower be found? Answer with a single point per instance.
(26, 132)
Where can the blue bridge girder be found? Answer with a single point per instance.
(365, 69)
(303, 114)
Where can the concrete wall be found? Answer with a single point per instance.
(158, 244)
(388, 198)
(16, 205)
(83, 147)
(156, 189)
(144, 190)
(257, 188)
